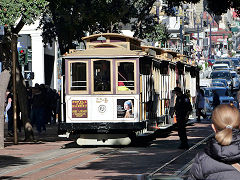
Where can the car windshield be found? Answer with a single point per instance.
(223, 62)
(220, 92)
(234, 75)
(220, 74)
(218, 84)
(220, 81)
(219, 67)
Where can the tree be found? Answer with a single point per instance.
(70, 20)
(14, 14)
(157, 33)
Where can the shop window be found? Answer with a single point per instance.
(125, 72)
(78, 76)
(102, 75)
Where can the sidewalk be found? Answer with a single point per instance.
(49, 136)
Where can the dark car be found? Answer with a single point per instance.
(236, 62)
(224, 97)
(222, 74)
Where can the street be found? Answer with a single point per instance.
(53, 158)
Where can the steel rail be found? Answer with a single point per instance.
(177, 157)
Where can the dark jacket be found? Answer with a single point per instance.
(182, 106)
(215, 162)
(216, 100)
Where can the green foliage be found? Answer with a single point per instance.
(11, 11)
(158, 33)
(70, 20)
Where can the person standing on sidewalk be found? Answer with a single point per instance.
(216, 99)
(200, 105)
(221, 157)
(9, 111)
(182, 109)
(38, 109)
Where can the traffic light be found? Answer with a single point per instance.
(22, 56)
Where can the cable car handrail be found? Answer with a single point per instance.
(79, 86)
(78, 81)
(125, 81)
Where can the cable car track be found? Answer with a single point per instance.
(183, 170)
(57, 163)
(32, 169)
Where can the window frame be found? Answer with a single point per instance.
(92, 77)
(135, 77)
(70, 79)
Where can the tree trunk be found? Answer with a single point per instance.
(4, 79)
(24, 105)
(5, 53)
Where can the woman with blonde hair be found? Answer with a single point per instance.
(221, 158)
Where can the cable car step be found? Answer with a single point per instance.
(165, 126)
(147, 133)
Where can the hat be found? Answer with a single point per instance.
(177, 89)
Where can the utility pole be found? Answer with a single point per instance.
(198, 41)
(210, 43)
(14, 58)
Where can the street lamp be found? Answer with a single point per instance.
(201, 16)
(210, 37)
(182, 18)
(194, 19)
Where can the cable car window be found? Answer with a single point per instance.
(78, 76)
(102, 75)
(126, 76)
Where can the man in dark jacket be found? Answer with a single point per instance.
(182, 109)
(216, 99)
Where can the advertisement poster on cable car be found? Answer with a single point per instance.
(125, 108)
(79, 109)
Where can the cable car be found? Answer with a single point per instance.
(115, 90)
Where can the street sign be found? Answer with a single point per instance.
(29, 75)
(1, 30)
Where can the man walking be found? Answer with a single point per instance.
(182, 109)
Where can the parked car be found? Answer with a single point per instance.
(236, 82)
(224, 98)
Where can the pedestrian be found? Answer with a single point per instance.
(216, 99)
(200, 105)
(221, 157)
(9, 111)
(38, 109)
(182, 110)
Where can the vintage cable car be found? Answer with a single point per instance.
(115, 90)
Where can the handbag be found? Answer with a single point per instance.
(236, 166)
